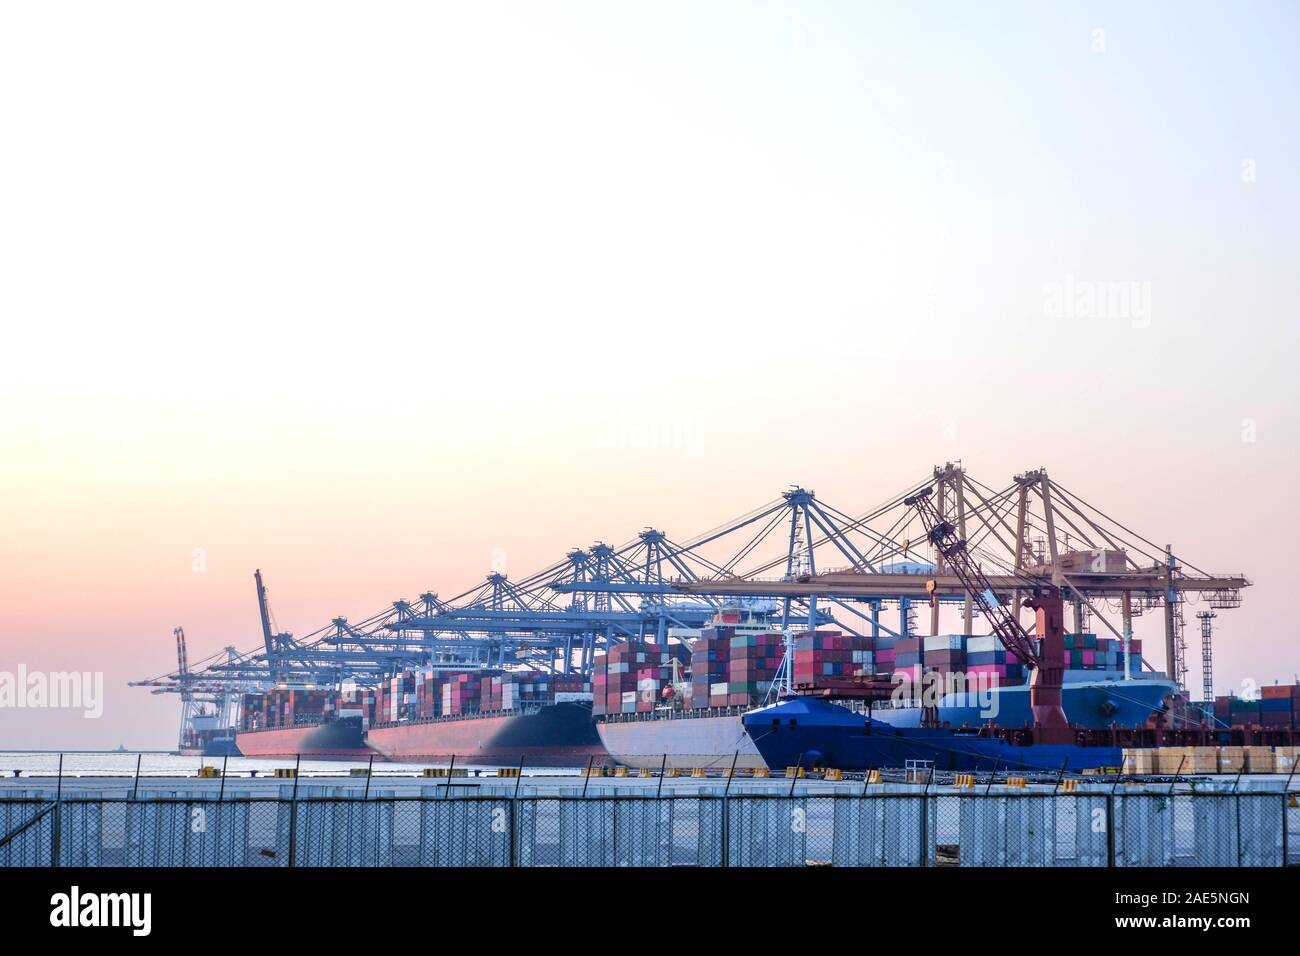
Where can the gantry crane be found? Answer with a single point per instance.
(1046, 660)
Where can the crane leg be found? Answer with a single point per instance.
(1050, 725)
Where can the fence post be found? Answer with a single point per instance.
(451, 769)
(726, 830)
(56, 834)
(925, 819)
(925, 827)
(514, 829)
(1238, 829)
(1110, 829)
(293, 813)
(1286, 849)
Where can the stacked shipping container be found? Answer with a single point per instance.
(823, 655)
(711, 666)
(985, 655)
(628, 675)
(282, 707)
(751, 667)
(1277, 707)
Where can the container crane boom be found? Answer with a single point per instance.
(1047, 659)
(265, 612)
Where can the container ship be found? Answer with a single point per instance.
(647, 716)
(810, 732)
(206, 736)
(314, 723)
(333, 738)
(558, 734)
(1111, 715)
(496, 718)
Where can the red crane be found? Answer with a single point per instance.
(1047, 659)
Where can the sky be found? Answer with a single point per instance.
(372, 296)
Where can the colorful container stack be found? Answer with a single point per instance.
(428, 694)
(753, 665)
(514, 690)
(650, 682)
(1278, 705)
(829, 655)
(462, 694)
(616, 676)
(944, 653)
(711, 667)
(986, 658)
(1090, 652)
(358, 702)
(281, 707)
(984, 655)
(1277, 708)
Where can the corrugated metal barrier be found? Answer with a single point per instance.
(1018, 828)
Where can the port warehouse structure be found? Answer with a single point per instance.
(738, 824)
(809, 563)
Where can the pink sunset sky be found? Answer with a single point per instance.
(365, 301)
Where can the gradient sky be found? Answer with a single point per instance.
(361, 294)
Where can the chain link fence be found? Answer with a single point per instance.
(768, 829)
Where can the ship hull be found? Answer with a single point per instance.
(333, 740)
(217, 747)
(556, 735)
(684, 741)
(813, 733)
(1088, 702)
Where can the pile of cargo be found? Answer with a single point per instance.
(629, 678)
(281, 707)
(1277, 708)
(730, 669)
(515, 690)
(984, 656)
(1193, 760)
(711, 666)
(397, 698)
(1089, 652)
(359, 702)
(462, 694)
(828, 656)
(430, 693)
